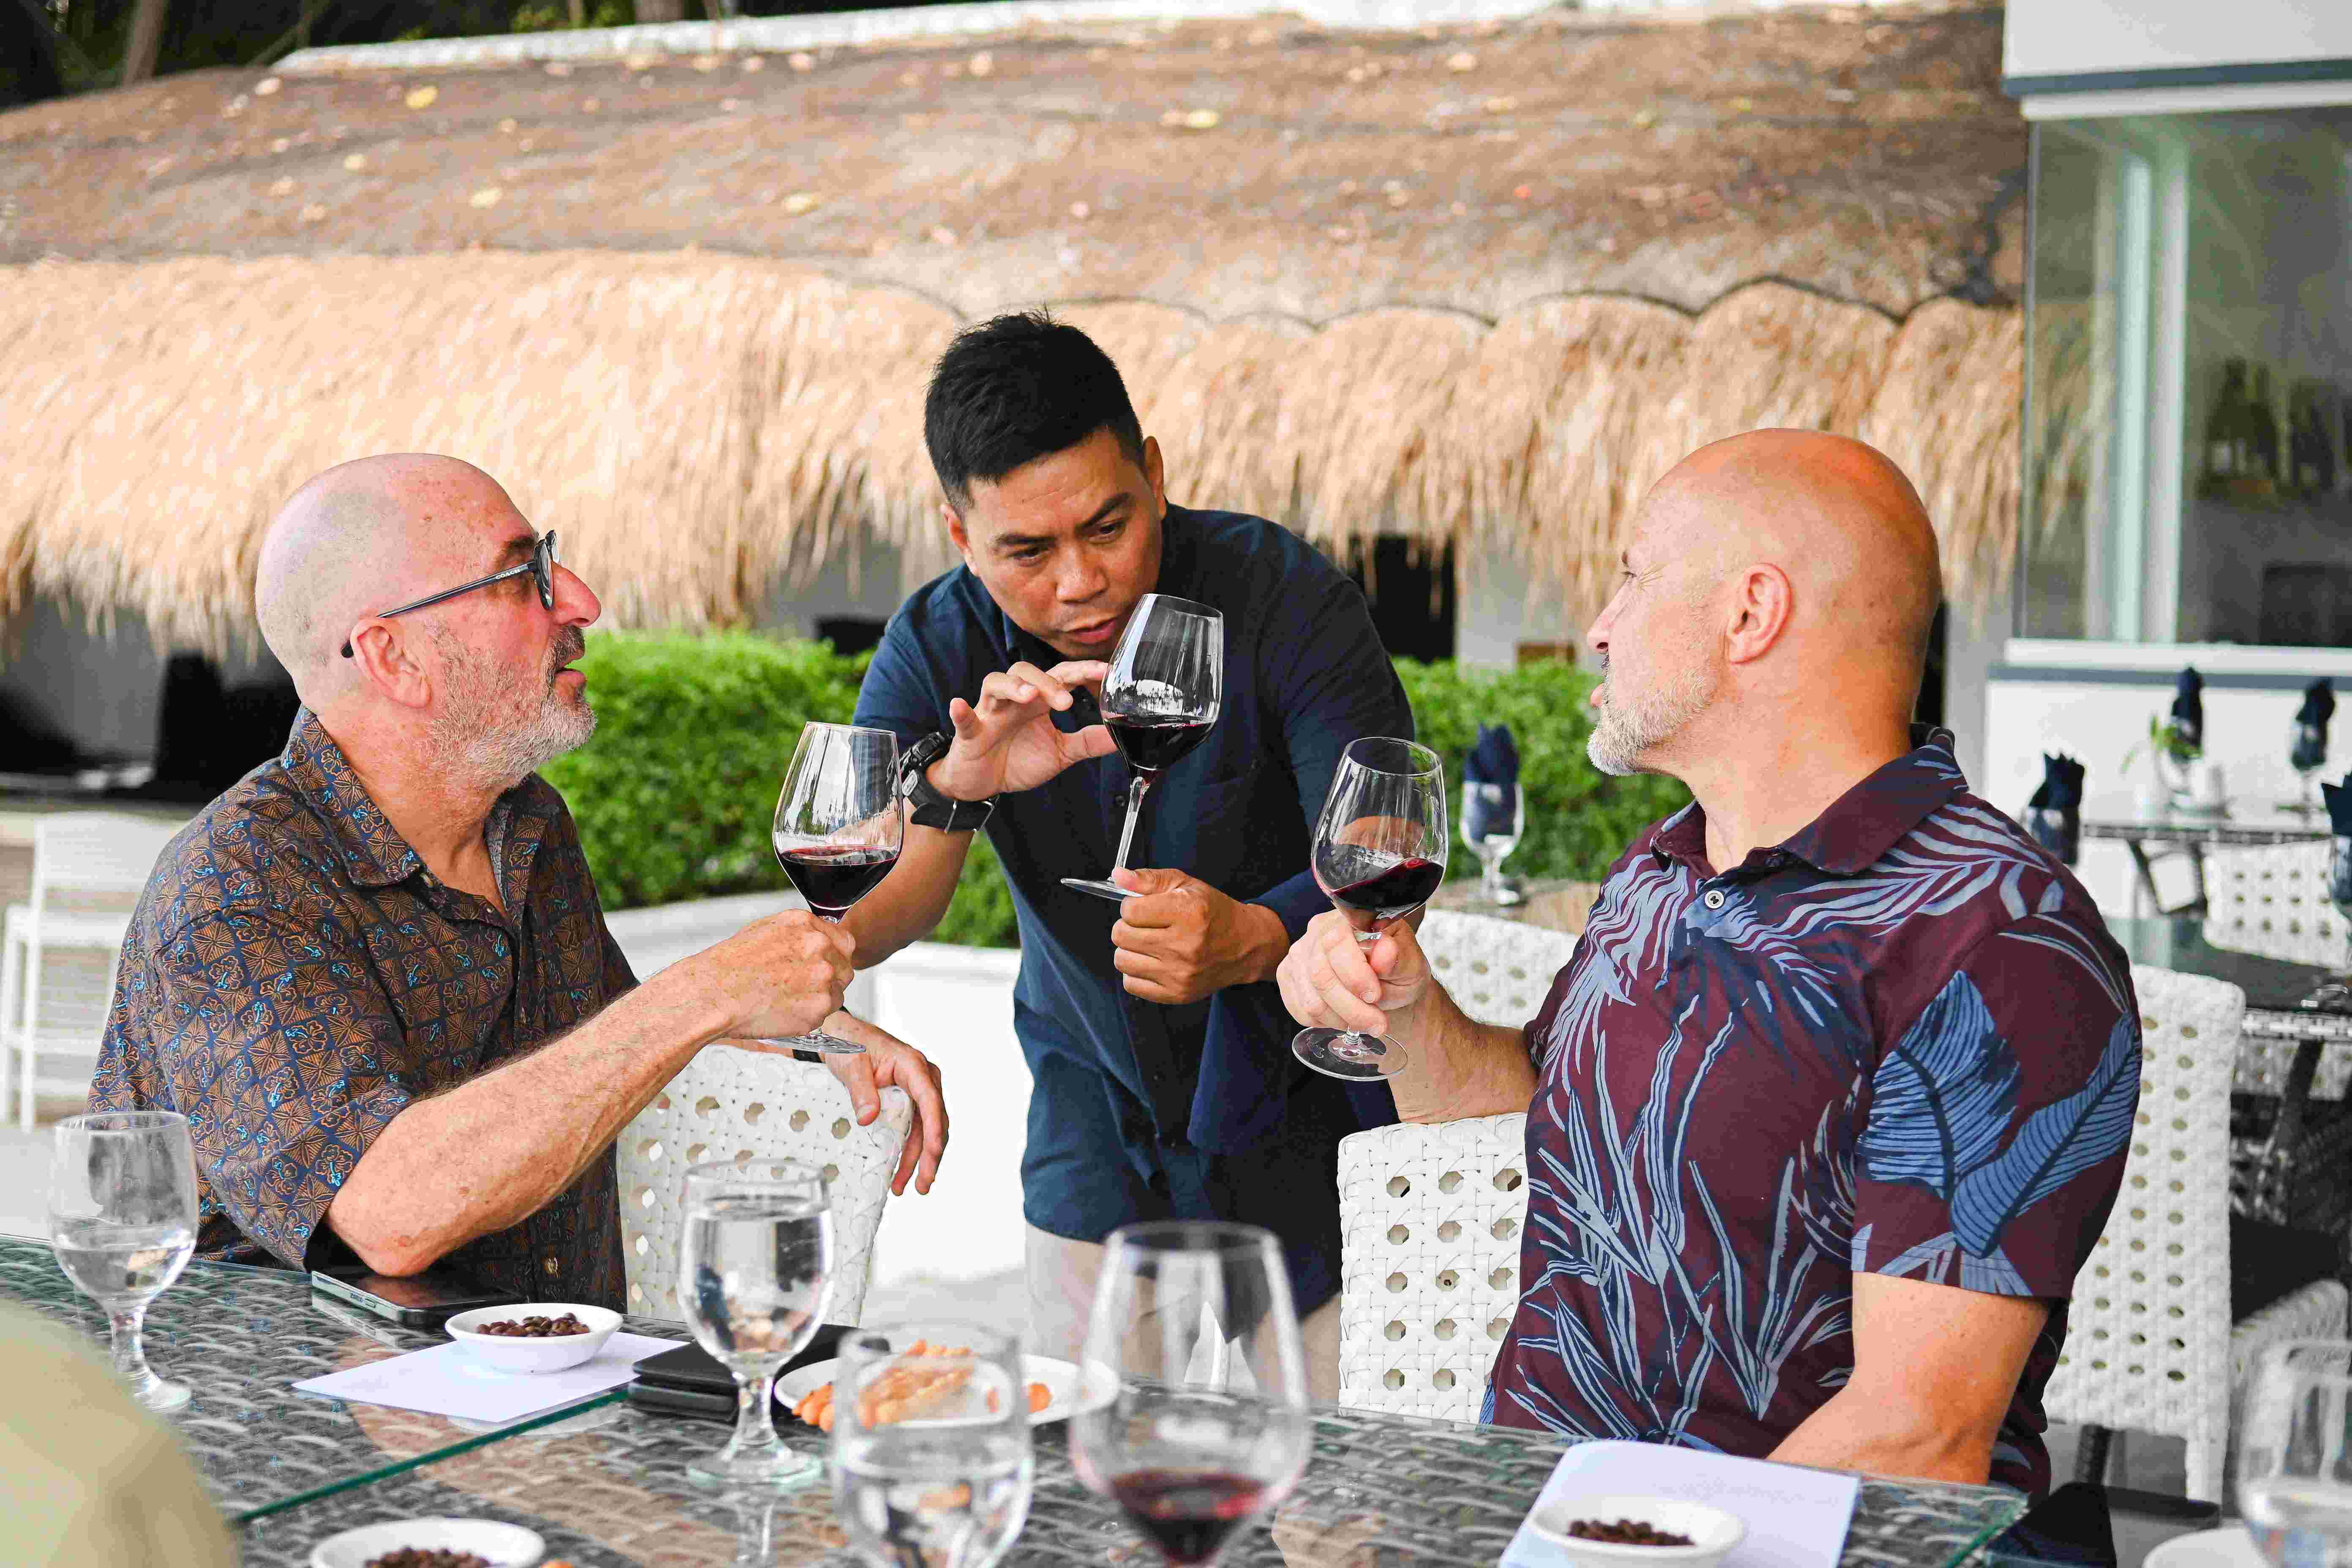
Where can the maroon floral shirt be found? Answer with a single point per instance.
(294, 978)
(1900, 1043)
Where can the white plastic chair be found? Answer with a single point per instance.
(88, 869)
(2149, 1345)
(734, 1103)
(2272, 901)
(1430, 1215)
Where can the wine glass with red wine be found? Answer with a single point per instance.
(1209, 1431)
(1379, 853)
(839, 822)
(1167, 681)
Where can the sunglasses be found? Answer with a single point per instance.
(542, 567)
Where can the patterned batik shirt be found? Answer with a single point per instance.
(1900, 1043)
(294, 978)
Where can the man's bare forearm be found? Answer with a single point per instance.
(1459, 1068)
(913, 899)
(1880, 1436)
(493, 1151)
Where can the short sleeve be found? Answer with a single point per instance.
(897, 693)
(1997, 1127)
(276, 1042)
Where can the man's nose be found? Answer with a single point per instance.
(1081, 578)
(576, 603)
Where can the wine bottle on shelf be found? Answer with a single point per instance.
(2262, 429)
(2311, 456)
(2222, 429)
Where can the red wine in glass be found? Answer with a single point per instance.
(833, 878)
(1166, 683)
(1152, 746)
(1189, 1514)
(839, 824)
(1378, 854)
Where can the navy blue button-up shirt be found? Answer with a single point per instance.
(1143, 1110)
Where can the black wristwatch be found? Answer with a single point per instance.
(926, 807)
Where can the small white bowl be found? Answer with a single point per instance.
(1712, 1532)
(509, 1353)
(502, 1545)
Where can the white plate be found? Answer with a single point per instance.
(2228, 1547)
(505, 1545)
(1060, 1378)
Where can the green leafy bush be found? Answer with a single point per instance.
(675, 794)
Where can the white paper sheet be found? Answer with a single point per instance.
(447, 1380)
(1796, 1518)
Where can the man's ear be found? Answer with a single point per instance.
(1762, 600)
(387, 662)
(1155, 471)
(956, 532)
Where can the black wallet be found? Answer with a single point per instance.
(688, 1380)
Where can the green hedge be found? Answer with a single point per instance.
(675, 794)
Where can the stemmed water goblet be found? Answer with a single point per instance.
(2306, 754)
(755, 1272)
(2295, 1454)
(1378, 854)
(840, 822)
(932, 1459)
(1209, 1429)
(1494, 817)
(122, 1223)
(1166, 685)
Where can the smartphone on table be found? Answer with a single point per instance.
(425, 1301)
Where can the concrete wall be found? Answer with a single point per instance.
(104, 689)
(1496, 610)
(2058, 37)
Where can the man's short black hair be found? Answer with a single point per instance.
(1017, 388)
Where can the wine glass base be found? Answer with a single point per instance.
(824, 1045)
(1340, 1053)
(1100, 887)
(160, 1394)
(771, 1469)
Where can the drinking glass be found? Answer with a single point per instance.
(1166, 684)
(755, 1271)
(839, 824)
(2306, 754)
(122, 1221)
(1492, 817)
(1209, 1429)
(931, 1463)
(1379, 853)
(2294, 1463)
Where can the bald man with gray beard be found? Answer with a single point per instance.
(1828, 1105)
(375, 975)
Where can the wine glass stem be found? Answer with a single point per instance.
(1490, 879)
(755, 1424)
(1134, 810)
(127, 1328)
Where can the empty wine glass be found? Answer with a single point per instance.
(755, 1272)
(2306, 754)
(931, 1461)
(1166, 682)
(122, 1221)
(1378, 854)
(840, 821)
(1494, 815)
(2294, 1463)
(1209, 1429)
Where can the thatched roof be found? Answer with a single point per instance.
(1481, 283)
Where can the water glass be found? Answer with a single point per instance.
(122, 1221)
(755, 1273)
(931, 1461)
(1494, 817)
(2295, 1455)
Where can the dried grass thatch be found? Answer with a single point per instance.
(702, 426)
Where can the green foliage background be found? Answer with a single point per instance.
(675, 794)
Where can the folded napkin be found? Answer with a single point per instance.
(2061, 783)
(1494, 760)
(2339, 806)
(2310, 749)
(2053, 817)
(2188, 708)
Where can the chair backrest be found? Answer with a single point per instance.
(731, 1103)
(82, 853)
(1430, 1219)
(2147, 1334)
(1497, 971)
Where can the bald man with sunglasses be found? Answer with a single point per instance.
(374, 975)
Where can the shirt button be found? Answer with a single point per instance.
(1714, 897)
(549, 1265)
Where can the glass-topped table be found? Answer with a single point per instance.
(605, 1482)
(241, 1338)
(2149, 831)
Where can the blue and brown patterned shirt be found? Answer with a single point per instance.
(294, 978)
(1900, 1043)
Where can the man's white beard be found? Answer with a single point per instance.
(495, 734)
(1623, 732)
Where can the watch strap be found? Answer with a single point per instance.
(926, 807)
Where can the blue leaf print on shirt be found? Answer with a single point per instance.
(1945, 1095)
(2057, 1143)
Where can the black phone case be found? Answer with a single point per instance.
(688, 1380)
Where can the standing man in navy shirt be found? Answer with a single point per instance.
(1159, 1046)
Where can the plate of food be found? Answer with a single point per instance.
(1054, 1389)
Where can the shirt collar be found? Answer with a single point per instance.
(1860, 826)
(371, 850)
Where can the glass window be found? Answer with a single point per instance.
(2189, 380)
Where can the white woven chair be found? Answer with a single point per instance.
(1430, 1215)
(741, 1104)
(2149, 1345)
(88, 869)
(2272, 902)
